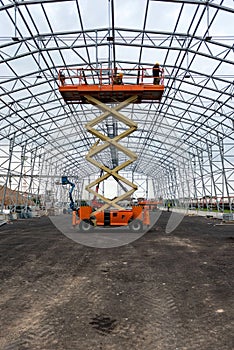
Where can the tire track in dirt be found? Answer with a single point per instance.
(146, 317)
(36, 326)
(154, 322)
(31, 294)
(198, 332)
(155, 294)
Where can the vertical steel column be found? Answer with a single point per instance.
(154, 188)
(187, 172)
(40, 168)
(33, 161)
(81, 189)
(225, 189)
(177, 184)
(164, 184)
(147, 188)
(15, 24)
(11, 146)
(173, 183)
(200, 163)
(193, 167)
(47, 166)
(182, 196)
(159, 181)
(210, 154)
(23, 151)
(96, 47)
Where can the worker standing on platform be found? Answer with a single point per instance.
(118, 79)
(62, 77)
(157, 73)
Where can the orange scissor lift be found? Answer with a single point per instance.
(110, 91)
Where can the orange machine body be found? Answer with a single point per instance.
(112, 217)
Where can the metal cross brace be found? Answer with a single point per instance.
(107, 142)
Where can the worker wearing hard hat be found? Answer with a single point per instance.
(62, 77)
(157, 73)
(118, 79)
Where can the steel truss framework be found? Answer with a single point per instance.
(185, 143)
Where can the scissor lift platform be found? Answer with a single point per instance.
(101, 84)
(111, 93)
(100, 87)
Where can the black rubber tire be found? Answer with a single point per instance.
(136, 225)
(85, 226)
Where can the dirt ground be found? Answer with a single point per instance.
(161, 292)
